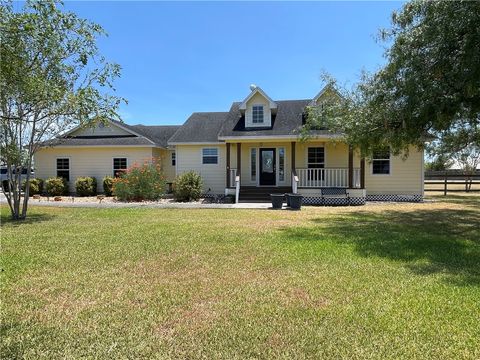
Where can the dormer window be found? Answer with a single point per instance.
(257, 114)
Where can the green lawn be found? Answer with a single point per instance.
(376, 282)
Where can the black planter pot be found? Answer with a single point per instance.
(296, 201)
(277, 200)
(287, 198)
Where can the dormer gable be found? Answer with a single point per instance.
(258, 108)
(327, 93)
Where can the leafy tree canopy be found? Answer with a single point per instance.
(430, 83)
(52, 77)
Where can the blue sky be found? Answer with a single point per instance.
(178, 58)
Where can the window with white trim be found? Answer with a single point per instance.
(257, 114)
(253, 164)
(174, 158)
(281, 164)
(209, 156)
(63, 168)
(119, 166)
(381, 162)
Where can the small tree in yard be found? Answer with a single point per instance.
(52, 78)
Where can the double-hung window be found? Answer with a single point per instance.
(63, 168)
(257, 114)
(381, 162)
(174, 158)
(316, 157)
(209, 156)
(119, 166)
(316, 160)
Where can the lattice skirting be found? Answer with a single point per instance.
(395, 198)
(315, 200)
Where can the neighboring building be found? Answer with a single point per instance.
(255, 147)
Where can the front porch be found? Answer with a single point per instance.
(296, 167)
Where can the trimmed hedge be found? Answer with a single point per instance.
(35, 186)
(86, 186)
(56, 186)
(188, 187)
(108, 185)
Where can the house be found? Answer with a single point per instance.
(104, 150)
(249, 151)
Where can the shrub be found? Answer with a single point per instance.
(188, 187)
(108, 185)
(86, 186)
(35, 187)
(139, 183)
(5, 185)
(56, 186)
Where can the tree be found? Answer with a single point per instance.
(462, 145)
(439, 163)
(431, 80)
(52, 77)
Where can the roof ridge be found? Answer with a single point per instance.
(209, 112)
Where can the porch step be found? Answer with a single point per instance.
(254, 194)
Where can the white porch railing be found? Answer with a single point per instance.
(327, 177)
(232, 173)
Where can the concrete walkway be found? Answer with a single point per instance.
(159, 205)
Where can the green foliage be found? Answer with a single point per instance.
(52, 77)
(86, 186)
(439, 163)
(5, 185)
(36, 186)
(188, 187)
(430, 82)
(108, 185)
(381, 282)
(56, 186)
(461, 144)
(145, 182)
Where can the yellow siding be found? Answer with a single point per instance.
(95, 162)
(165, 158)
(189, 157)
(336, 154)
(405, 178)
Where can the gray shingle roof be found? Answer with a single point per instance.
(158, 134)
(98, 141)
(200, 127)
(149, 136)
(287, 121)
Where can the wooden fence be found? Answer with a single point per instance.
(452, 181)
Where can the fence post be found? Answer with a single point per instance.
(445, 186)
